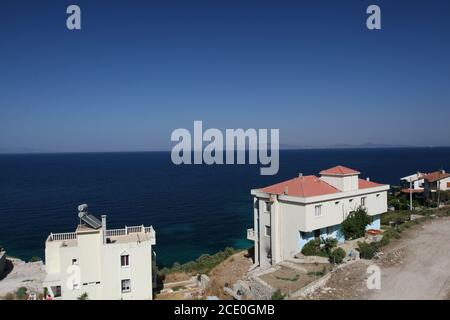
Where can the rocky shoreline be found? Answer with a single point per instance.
(19, 273)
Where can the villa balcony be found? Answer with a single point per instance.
(251, 235)
(127, 234)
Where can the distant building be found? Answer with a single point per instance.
(413, 183)
(289, 214)
(104, 264)
(434, 183)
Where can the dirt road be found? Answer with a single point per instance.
(423, 270)
(417, 266)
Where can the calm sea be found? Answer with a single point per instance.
(194, 209)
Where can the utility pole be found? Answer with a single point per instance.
(438, 182)
(410, 194)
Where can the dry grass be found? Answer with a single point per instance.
(227, 273)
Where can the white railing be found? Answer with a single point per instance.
(63, 236)
(109, 233)
(116, 232)
(128, 230)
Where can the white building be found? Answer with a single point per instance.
(289, 214)
(434, 183)
(414, 182)
(104, 264)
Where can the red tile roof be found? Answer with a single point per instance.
(364, 184)
(339, 171)
(311, 186)
(435, 176)
(306, 186)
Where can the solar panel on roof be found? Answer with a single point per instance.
(91, 221)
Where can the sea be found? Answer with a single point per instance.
(195, 209)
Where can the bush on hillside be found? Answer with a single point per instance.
(367, 250)
(277, 295)
(337, 255)
(21, 293)
(354, 226)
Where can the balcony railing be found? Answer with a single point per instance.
(62, 236)
(109, 233)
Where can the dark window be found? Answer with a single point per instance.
(125, 260)
(126, 285)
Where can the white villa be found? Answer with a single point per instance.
(413, 183)
(104, 264)
(289, 214)
(435, 182)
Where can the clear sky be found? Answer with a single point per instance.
(140, 69)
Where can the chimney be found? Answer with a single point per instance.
(286, 190)
(104, 228)
(300, 174)
(368, 179)
(442, 171)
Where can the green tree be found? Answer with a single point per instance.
(277, 295)
(354, 226)
(83, 296)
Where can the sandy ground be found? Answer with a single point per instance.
(29, 275)
(417, 266)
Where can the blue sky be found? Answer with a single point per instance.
(140, 69)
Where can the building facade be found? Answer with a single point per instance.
(100, 263)
(435, 183)
(289, 214)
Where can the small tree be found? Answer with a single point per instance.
(21, 293)
(354, 226)
(277, 295)
(337, 255)
(83, 296)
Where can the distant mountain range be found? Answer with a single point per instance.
(346, 146)
(368, 145)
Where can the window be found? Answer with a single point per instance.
(351, 200)
(363, 201)
(56, 291)
(378, 195)
(336, 203)
(268, 231)
(267, 206)
(125, 260)
(126, 285)
(318, 211)
(74, 262)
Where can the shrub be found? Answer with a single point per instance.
(21, 293)
(319, 247)
(203, 264)
(354, 226)
(397, 217)
(337, 255)
(328, 245)
(83, 296)
(367, 250)
(311, 248)
(35, 259)
(277, 295)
